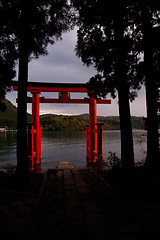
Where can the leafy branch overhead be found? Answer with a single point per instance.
(35, 22)
(97, 43)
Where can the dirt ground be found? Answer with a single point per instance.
(140, 191)
(138, 194)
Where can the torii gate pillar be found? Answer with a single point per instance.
(35, 121)
(92, 128)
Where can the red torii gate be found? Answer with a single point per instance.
(94, 130)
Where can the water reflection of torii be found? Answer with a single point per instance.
(94, 130)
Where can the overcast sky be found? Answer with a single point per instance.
(62, 65)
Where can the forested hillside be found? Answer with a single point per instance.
(63, 123)
(8, 118)
(51, 122)
(112, 122)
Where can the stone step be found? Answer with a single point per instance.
(65, 164)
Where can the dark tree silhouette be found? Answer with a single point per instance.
(146, 36)
(127, 154)
(158, 105)
(7, 73)
(148, 14)
(35, 23)
(105, 39)
(156, 65)
(8, 53)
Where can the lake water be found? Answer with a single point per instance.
(70, 146)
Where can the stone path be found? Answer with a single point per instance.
(78, 204)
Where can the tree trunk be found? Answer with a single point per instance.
(22, 164)
(152, 158)
(22, 112)
(127, 152)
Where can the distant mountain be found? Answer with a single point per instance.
(10, 113)
(86, 115)
(78, 122)
(53, 122)
(9, 116)
(137, 122)
(47, 115)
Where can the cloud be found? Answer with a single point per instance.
(138, 107)
(62, 65)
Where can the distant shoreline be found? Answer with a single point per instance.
(15, 131)
(53, 122)
(10, 130)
